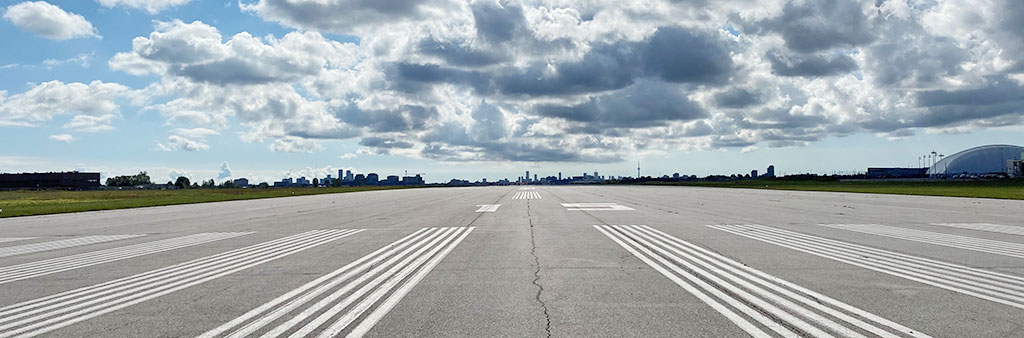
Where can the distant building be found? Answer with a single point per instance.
(72, 179)
(771, 171)
(284, 183)
(412, 180)
(559, 175)
(535, 177)
(989, 159)
(241, 182)
(897, 172)
(372, 178)
(753, 173)
(392, 180)
(527, 176)
(348, 176)
(302, 182)
(341, 174)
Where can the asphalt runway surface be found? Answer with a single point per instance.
(537, 261)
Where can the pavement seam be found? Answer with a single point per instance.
(536, 274)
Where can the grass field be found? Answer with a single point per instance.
(25, 202)
(1001, 189)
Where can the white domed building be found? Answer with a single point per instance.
(989, 159)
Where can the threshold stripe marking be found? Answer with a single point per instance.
(760, 304)
(60, 244)
(39, 316)
(989, 285)
(49, 266)
(526, 195)
(488, 207)
(1005, 229)
(14, 239)
(333, 304)
(937, 238)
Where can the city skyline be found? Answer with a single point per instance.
(493, 87)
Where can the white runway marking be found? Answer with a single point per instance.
(396, 268)
(989, 285)
(39, 316)
(60, 244)
(528, 188)
(761, 304)
(488, 207)
(526, 195)
(59, 264)
(955, 241)
(596, 207)
(1005, 229)
(14, 239)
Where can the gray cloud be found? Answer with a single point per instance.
(812, 26)
(498, 22)
(737, 98)
(646, 104)
(811, 65)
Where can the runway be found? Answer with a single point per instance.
(538, 261)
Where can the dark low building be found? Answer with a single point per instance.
(72, 180)
(896, 172)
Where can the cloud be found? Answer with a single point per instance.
(49, 21)
(336, 16)
(66, 138)
(811, 66)
(91, 123)
(295, 145)
(225, 171)
(348, 156)
(150, 6)
(94, 102)
(82, 60)
(179, 143)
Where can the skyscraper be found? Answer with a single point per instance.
(559, 175)
(527, 176)
(771, 171)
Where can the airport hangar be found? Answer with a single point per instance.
(988, 159)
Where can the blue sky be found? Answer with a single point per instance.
(489, 89)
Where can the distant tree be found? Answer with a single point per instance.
(227, 184)
(264, 185)
(182, 182)
(209, 184)
(316, 182)
(127, 181)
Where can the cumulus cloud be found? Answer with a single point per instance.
(94, 105)
(179, 143)
(66, 138)
(49, 21)
(224, 172)
(594, 81)
(150, 6)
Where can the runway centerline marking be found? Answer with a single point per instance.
(989, 285)
(488, 207)
(596, 207)
(393, 269)
(66, 263)
(753, 300)
(61, 244)
(42, 315)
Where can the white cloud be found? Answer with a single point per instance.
(49, 21)
(82, 60)
(349, 156)
(178, 143)
(45, 101)
(66, 138)
(90, 123)
(295, 145)
(225, 171)
(151, 6)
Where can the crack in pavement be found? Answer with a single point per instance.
(536, 274)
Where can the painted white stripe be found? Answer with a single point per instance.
(488, 207)
(526, 195)
(14, 239)
(595, 207)
(60, 244)
(989, 285)
(1005, 229)
(60, 264)
(395, 268)
(46, 314)
(937, 238)
(756, 293)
